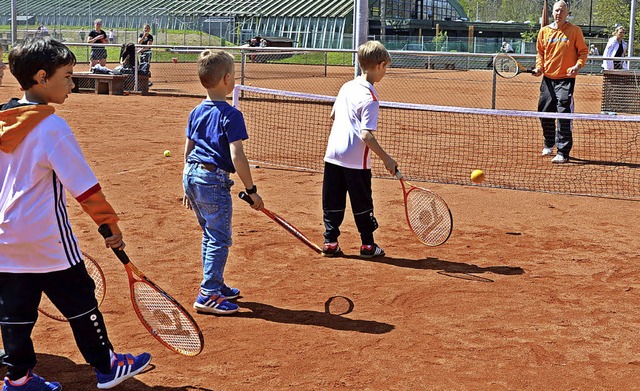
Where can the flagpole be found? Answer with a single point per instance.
(544, 20)
(632, 23)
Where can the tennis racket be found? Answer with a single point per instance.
(93, 268)
(427, 214)
(283, 223)
(506, 66)
(164, 318)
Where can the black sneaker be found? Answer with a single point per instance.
(331, 250)
(371, 250)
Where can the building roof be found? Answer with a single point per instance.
(243, 8)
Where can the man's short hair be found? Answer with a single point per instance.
(372, 53)
(29, 57)
(564, 2)
(213, 65)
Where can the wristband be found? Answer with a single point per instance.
(253, 190)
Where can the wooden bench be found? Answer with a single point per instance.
(101, 83)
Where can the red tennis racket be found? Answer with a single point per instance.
(283, 223)
(164, 318)
(95, 272)
(427, 214)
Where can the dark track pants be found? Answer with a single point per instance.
(556, 96)
(72, 292)
(338, 182)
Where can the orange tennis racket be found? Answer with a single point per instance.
(283, 223)
(162, 315)
(95, 272)
(508, 67)
(427, 214)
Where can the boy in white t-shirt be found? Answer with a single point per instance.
(347, 168)
(40, 160)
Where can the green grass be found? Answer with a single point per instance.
(166, 37)
(317, 58)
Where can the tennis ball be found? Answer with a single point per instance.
(167, 153)
(477, 176)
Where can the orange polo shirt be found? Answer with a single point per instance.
(560, 49)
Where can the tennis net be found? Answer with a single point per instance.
(444, 144)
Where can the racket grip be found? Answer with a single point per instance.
(245, 197)
(105, 231)
(398, 174)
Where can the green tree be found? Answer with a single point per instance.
(610, 12)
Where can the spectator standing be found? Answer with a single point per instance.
(145, 38)
(98, 53)
(81, 33)
(616, 47)
(593, 50)
(111, 36)
(561, 53)
(506, 47)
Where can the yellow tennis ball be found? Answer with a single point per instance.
(477, 176)
(167, 153)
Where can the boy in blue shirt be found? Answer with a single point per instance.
(213, 150)
(40, 160)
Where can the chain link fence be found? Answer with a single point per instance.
(436, 78)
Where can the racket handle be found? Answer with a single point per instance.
(105, 231)
(399, 174)
(245, 197)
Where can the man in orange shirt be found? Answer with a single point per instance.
(561, 53)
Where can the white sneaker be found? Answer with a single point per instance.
(547, 151)
(559, 159)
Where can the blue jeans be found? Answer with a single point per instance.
(209, 193)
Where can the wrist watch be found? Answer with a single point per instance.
(253, 190)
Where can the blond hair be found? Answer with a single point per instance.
(618, 28)
(372, 53)
(213, 65)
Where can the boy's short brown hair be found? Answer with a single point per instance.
(372, 53)
(35, 54)
(213, 65)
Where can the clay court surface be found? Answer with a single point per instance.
(533, 291)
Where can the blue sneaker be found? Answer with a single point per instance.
(34, 383)
(230, 293)
(215, 304)
(125, 366)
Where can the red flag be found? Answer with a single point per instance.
(545, 14)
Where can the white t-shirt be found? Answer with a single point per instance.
(35, 232)
(355, 109)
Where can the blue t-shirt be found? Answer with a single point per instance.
(213, 125)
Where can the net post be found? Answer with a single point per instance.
(493, 90)
(236, 94)
(243, 61)
(325, 64)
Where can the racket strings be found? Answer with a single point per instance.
(506, 66)
(428, 217)
(166, 321)
(96, 274)
(93, 269)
